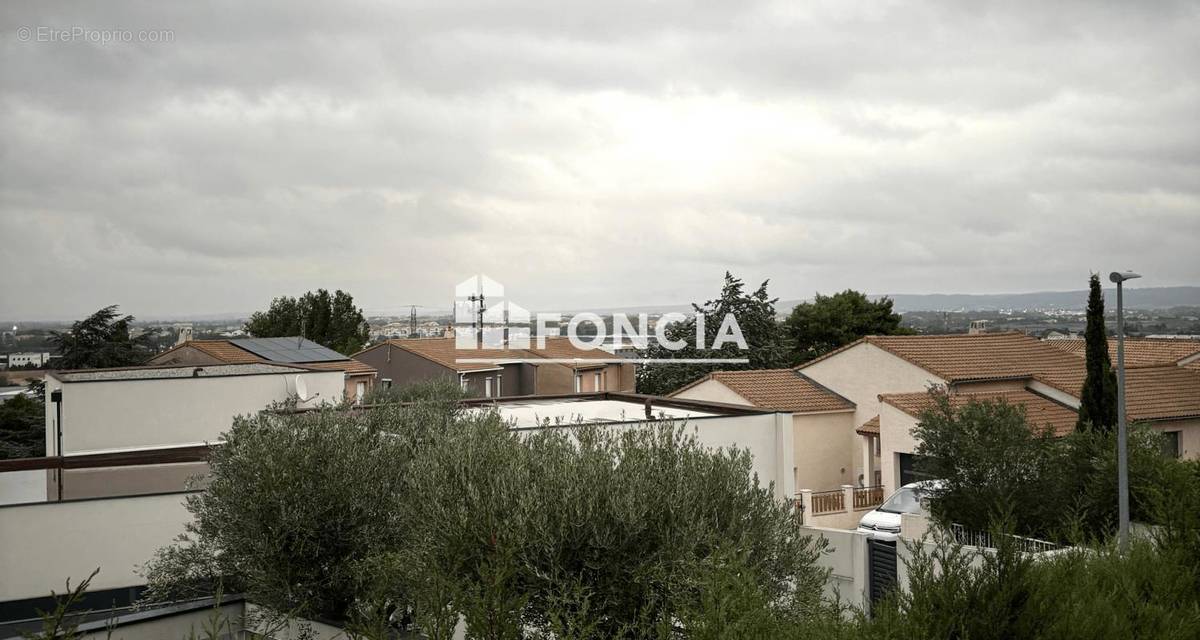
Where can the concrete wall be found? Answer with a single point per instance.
(846, 558)
(126, 414)
(895, 437)
(824, 456)
(44, 544)
(861, 373)
(768, 437)
(18, 487)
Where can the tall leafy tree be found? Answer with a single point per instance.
(1098, 400)
(22, 427)
(755, 314)
(828, 322)
(329, 320)
(100, 340)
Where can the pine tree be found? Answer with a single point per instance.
(1098, 401)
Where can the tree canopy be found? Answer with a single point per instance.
(428, 508)
(100, 340)
(1098, 400)
(755, 314)
(992, 461)
(22, 427)
(330, 320)
(828, 322)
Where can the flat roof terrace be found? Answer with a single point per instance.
(605, 407)
(163, 373)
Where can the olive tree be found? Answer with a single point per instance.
(294, 503)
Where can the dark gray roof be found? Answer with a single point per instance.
(287, 349)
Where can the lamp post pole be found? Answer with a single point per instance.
(1122, 427)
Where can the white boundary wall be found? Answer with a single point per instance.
(44, 544)
(146, 414)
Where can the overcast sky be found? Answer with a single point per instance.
(591, 154)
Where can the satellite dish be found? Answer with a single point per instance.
(302, 388)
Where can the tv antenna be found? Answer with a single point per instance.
(477, 322)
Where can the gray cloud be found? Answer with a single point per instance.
(593, 153)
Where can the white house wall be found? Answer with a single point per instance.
(860, 374)
(895, 437)
(823, 454)
(128, 414)
(44, 544)
(768, 438)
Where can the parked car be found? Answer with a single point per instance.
(883, 522)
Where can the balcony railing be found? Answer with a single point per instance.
(868, 497)
(101, 475)
(828, 501)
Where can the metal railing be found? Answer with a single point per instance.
(868, 497)
(986, 539)
(828, 501)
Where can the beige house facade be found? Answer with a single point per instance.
(822, 421)
(888, 378)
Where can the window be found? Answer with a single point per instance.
(487, 387)
(578, 382)
(462, 382)
(360, 391)
(1171, 443)
(387, 383)
(499, 384)
(599, 382)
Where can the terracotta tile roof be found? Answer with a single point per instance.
(229, 353)
(444, 352)
(1163, 392)
(1138, 351)
(870, 427)
(224, 351)
(984, 356)
(779, 389)
(1039, 410)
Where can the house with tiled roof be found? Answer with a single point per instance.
(359, 377)
(1140, 352)
(888, 377)
(820, 417)
(556, 366)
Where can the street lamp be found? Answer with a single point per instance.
(1122, 429)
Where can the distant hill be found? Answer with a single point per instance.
(1135, 298)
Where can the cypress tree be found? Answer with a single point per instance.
(1098, 401)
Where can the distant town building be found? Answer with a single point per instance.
(559, 368)
(26, 359)
(978, 326)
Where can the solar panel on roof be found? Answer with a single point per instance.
(288, 349)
